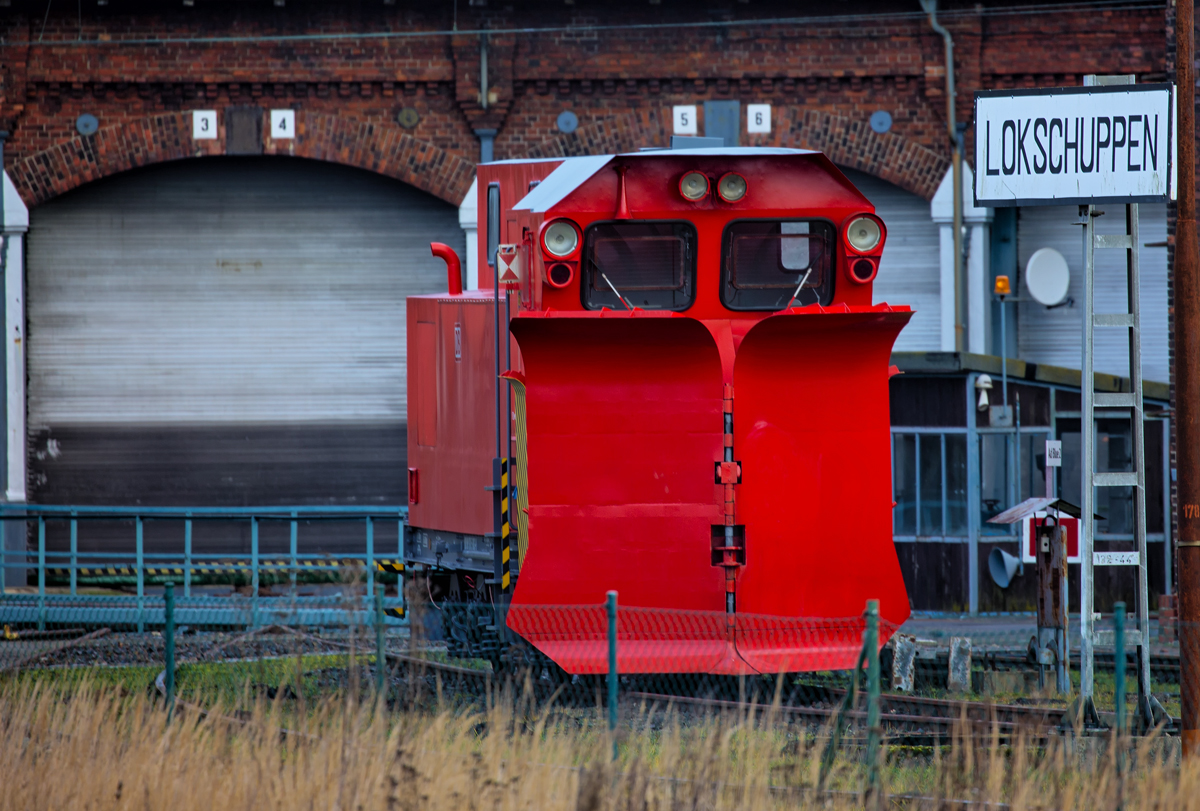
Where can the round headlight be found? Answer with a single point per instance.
(693, 186)
(561, 238)
(863, 234)
(731, 187)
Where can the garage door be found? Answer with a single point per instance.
(910, 272)
(226, 331)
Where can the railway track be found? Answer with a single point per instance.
(1163, 666)
(916, 720)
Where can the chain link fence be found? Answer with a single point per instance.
(854, 710)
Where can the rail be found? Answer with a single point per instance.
(183, 565)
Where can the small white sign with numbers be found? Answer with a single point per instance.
(685, 119)
(1054, 452)
(758, 118)
(204, 125)
(283, 124)
(1115, 559)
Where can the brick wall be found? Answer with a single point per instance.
(824, 79)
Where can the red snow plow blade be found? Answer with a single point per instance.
(661, 640)
(812, 432)
(625, 428)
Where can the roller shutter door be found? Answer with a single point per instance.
(226, 331)
(1055, 336)
(910, 271)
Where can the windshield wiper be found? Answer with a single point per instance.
(604, 276)
(798, 287)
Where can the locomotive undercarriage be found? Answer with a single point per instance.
(455, 575)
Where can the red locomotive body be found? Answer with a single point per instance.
(701, 378)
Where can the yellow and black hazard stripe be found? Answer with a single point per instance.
(506, 530)
(398, 613)
(520, 510)
(385, 566)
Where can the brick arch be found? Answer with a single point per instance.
(847, 142)
(168, 136)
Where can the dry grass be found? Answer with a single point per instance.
(98, 749)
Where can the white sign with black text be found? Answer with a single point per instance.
(1074, 145)
(1054, 452)
(1114, 558)
(283, 124)
(204, 125)
(685, 119)
(758, 118)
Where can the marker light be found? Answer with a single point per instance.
(864, 234)
(694, 186)
(559, 275)
(1003, 288)
(862, 271)
(731, 187)
(561, 238)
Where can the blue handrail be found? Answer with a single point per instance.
(142, 560)
(306, 512)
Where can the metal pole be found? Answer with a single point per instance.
(141, 575)
(74, 555)
(974, 495)
(1187, 384)
(611, 605)
(370, 557)
(293, 540)
(1088, 465)
(187, 556)
(169, 644)
(874, 731)
(42, 577)
(1017, 446)
(380, 652)
(1003, 354)
(253, 571)
(1119, 663)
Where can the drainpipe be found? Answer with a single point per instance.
(956, 145)
(487, 139)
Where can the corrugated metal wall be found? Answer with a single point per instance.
(1056, 336)
(226, 330)
(910, 270)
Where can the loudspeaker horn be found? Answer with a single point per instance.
(1002, 567)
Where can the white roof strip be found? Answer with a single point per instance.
(523, 160)
(570, 175)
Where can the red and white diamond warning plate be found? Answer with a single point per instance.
(509, 265)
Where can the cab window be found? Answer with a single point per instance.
(765, 262)
(651, 265)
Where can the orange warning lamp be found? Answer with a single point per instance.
(1003, 288)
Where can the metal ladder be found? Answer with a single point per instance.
(1131, 403)
(1150, 711)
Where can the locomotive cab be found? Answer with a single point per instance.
(701, 406)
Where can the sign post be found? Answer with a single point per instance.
(1187, 387)
(1109, 141)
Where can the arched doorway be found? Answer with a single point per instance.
(226, 331)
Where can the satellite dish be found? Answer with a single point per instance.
(1047, 277)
